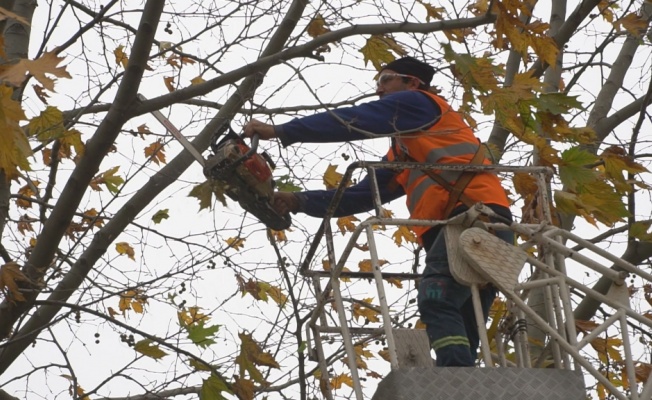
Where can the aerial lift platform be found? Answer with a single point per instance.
(507, 368)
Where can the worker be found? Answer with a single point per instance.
(422, 128)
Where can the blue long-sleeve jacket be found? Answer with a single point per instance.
(403, 111)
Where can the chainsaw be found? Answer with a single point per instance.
(245, 175)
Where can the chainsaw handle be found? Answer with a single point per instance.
(252, 150)
(254, 146)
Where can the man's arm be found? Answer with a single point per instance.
(398, 112)
(404, 111)
(356, 199)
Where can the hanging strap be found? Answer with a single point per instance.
(457, 191)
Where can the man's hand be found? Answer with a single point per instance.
(265, 131)
(285, 202)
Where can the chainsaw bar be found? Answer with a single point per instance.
(245, 175)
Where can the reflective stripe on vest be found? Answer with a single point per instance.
(434, 156)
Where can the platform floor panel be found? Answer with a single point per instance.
(466, 383)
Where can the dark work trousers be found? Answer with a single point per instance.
(446, 306)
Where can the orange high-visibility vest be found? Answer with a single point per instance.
(449, 141)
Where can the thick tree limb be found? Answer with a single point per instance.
(96, 149)
(305, 50)
(166, 176)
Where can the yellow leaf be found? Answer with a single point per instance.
(367, 266)
(251, 355)
(361, 351)
(317, 26)
(606, 349)
(132, 300)
(378, 49)
(277, 295)
(525, 184)
(384, 213)
(192, 316)
(124, 248)
(419, 325)
(404, 233)
(331, 177)
(339, 380)
(155, 152)
(395, 282)
(71, 139)
(169, 83)
(14, 147)
(277, 236)
(327, 267)
(346, 224)
(236, 243)
(47, 125)
(39, 68)
(197, 80)
(365, 312)
(121, 57)
(91, 217)
(10, 275)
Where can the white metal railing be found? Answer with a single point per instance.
(549, 274)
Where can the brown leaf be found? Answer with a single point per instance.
(243, 388)
(155, 152)
(10, 275)
(26, 191)
(585, 326)
(169, 83)
(41, 93)
(39, 68)
(25, 225)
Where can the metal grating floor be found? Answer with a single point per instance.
(460, 383)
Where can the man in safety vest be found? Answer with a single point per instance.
(423, 128)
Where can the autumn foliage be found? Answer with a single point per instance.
(113, 241)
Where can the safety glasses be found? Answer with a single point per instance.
(384, 78)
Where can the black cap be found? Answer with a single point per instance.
(412, 66)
